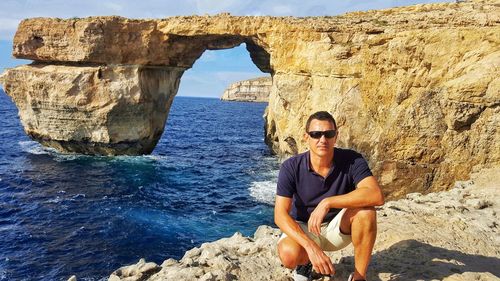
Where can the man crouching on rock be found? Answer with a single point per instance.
(324, 201)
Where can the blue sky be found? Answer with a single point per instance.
(215, 69)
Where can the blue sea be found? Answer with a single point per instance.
(210, 176)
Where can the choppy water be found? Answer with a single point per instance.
(210, 176)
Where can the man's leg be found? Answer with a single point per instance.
(291, 253)
(361, 223)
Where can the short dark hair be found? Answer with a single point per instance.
(323, 116)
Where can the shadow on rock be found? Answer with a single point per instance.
(412, 260)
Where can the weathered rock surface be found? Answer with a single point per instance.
(93, 109)
(253, 90)
(139, 271)
(452, 235)
(418, 95)
(415, 89)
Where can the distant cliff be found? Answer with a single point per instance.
(255, 90)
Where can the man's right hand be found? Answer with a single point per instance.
(320, 261)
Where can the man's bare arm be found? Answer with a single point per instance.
(366, 194)
(321, 262)
(287, 224)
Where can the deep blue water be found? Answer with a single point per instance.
(61, 214)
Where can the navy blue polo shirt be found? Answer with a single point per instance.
(299, 181)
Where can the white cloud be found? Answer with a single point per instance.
(199, 78)
(113, 6)
(208, 56)
(282, 10)
(213, 7)
(8, 28)
(228, 77)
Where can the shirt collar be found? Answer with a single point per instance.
(308, 160)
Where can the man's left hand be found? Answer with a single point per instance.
(316, 218)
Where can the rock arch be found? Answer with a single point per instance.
(111, 92)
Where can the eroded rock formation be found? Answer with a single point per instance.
(94, 109)
(253, 90)
(415, 89)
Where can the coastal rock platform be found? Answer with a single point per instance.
(451, 235)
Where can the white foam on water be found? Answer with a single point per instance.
(156, 157)
(263, 191)
(56, 200)
(33, 147)
(137, 159)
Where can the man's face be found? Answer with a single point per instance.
(322, 146)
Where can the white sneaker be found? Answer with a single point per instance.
(351, 278)
(306, 273)
(302, 272)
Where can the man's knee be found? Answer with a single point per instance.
(366, 214)
(363, 216)
(290, 255)
(365, 219)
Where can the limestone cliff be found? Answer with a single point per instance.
(93, 109)
(254, 90)
(415, 89)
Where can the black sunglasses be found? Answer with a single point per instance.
(317, 134)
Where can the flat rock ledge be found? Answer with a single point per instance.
(451, 235)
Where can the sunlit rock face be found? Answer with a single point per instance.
(105, 110)
(415, 89)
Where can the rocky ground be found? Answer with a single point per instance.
(451, 235)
